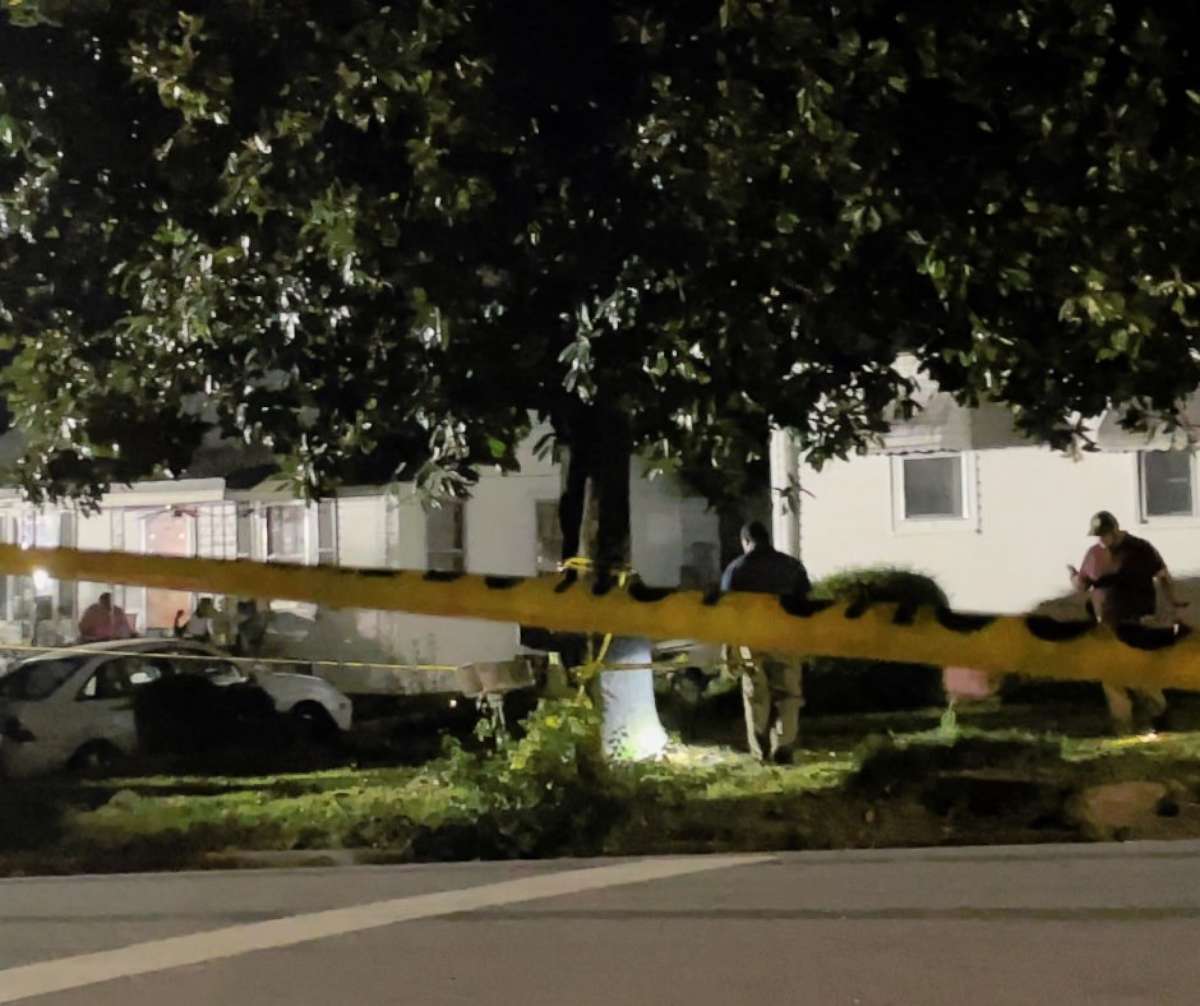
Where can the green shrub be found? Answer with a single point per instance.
(835, 685)
(548, 793)
(882, 584)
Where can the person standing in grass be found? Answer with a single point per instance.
(1120, 574)
(772, 684)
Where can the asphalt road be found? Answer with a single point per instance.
(1047, 924)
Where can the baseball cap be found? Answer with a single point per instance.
(1102, 522)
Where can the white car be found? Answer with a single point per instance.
(688, 653)
(74, 707)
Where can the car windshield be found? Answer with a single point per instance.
(37, 680)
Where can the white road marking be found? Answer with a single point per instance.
(197, 948)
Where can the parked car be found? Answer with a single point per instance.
(73, 708)
(691, 655)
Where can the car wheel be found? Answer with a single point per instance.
(313, 722)
(94, 760)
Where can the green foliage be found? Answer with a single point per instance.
(378, 235)
(466, 806)
(836, 686)
(559, 748)
(550, 793)
(549, 790)
(881, 585)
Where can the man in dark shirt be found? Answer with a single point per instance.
(1119, 574)
(772, 691)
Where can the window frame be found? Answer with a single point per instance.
(43, 527)
(327, 533)
(26, 670)
(460, 551)
(968, 521)
(244, 527)
(1144, 515)
(202, 663)
(300, 558)
(123, 663)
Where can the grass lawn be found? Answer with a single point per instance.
(866, 781)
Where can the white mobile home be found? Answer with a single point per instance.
(509, 526)
(958, 494)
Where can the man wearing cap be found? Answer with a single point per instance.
(1119, 573)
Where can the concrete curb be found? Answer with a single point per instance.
(255, 859)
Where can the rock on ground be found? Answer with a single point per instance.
(1120, 810)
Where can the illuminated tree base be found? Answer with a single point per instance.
(630, 726)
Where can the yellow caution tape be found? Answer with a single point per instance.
(268, 661)
(1030, 645)
(595, 663)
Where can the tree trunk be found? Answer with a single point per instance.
(729, 532)
(594, 515)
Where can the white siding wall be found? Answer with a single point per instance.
(1034, 506)
(500, 537)
(664, 524)
(360, 531)
(501, 523)
(378, 529)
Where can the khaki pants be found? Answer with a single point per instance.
(772, 697)
(1121, 699)
(1120, 704)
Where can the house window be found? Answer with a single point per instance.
(327, 533)
(549, 536)
(444, 538)
(933, 488)
(286, 538)
(41, 530)
(1166, 483)
(245, 532)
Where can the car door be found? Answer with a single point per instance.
(40, 694)
(104, 704)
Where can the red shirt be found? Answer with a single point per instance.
(1122, 579)
(99, 624)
